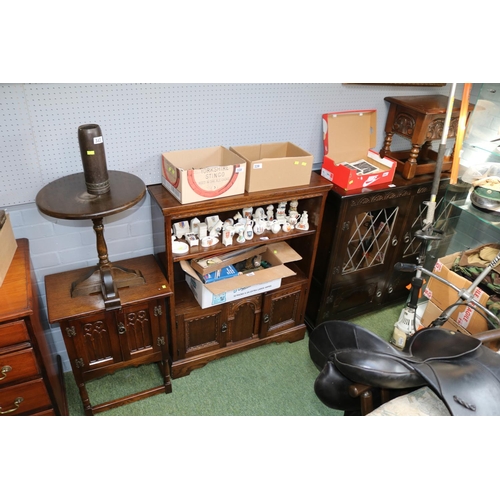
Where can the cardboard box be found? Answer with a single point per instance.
(222, 274)
(203, 174)
(275, 165)
(211, 264)
(244, 285)
(348, 137)
(433, 312)
(8, 247)
(444, 296)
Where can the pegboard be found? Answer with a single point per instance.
(139, 121)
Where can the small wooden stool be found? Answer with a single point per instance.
(421, 120)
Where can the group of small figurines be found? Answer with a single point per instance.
(243, 226)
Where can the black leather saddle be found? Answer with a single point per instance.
(463, 372)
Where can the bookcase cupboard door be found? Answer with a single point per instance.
(244, 319)
(200, 331)
(282, 310)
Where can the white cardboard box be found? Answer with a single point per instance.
(244, 285)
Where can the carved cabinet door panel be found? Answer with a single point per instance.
(139, 330)
(200, 331)
(92, 341)
(345, 301)
(282, 309)
(244, 319)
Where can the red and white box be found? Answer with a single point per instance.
(349, 138)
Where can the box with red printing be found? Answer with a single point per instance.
(349, 137)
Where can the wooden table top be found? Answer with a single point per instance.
(67, 197)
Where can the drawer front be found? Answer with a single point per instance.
(14, 332)
(18, 366)
(22, 399)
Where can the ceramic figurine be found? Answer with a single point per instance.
(209, 241)
(247, 212)
(281, 211)
(293, 214)
(216, 229)
(259, 227)
(241, 235)
(192, 239)
(227, 236)
(195, 224)
(270, 212)
(211, 221)
(303, 222)
(181, 228)
(202, 230)
(249, 229)
(259, 213)
(276, 227)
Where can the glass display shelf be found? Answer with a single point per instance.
(490, 218)
(482, 138)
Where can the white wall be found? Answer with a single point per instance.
(38, 126)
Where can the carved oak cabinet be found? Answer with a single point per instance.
(202, 335)
(365, 233)
(101, 341)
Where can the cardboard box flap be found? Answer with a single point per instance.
(275, 150)
(242, 280)
(215, 263)
(350, 134)
(276, 254)
(283, 251)
(202, 158)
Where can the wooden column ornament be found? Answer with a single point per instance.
(93, 159)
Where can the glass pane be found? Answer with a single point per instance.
(370, 237)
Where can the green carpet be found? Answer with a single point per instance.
(271, 380)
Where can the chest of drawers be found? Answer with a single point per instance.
(30, 375)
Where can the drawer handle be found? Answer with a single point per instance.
(5, 369)
(17, 404)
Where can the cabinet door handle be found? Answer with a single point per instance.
(266, 318)
(17, 404)
(224, 328)
(394, 242)
(121, 329)
(5, 369)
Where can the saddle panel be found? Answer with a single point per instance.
(440, 343)
(377, 369)
(470, 387)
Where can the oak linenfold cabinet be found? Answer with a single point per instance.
(30, 372)
(100, 341)
(365, 233)
(202, 335)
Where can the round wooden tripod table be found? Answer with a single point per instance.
(67, 198)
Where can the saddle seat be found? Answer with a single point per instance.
(462, 372)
